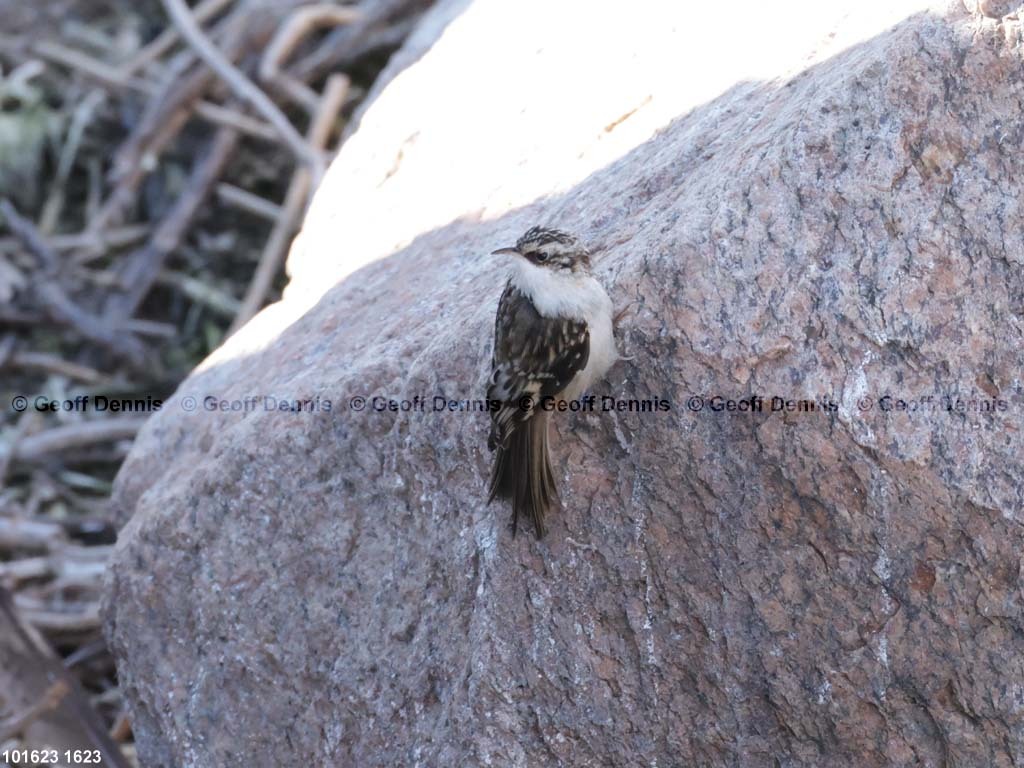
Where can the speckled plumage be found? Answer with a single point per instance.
(549, 317)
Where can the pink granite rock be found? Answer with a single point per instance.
(726, 585)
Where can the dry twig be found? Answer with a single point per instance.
(30, 535)
(80, 568)
(71, 619)
(247, 201)
(382, 24)
(106, 75)
(71, 436)
(48, 702)
(165, 41)
(165, 116)
(241, 85)
(201, 292)
(292, 32)
(60, 308)
(142, 268)
(294, 204)
(42, 361)
(88, 241)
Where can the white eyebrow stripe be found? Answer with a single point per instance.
(554, 248)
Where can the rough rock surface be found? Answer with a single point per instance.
(794, 588)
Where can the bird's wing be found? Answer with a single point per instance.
(534, 357)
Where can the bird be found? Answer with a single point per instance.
(553, 338)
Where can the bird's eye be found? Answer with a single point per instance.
(540, 256)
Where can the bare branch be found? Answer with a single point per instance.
(48, 363)
(28, 534)
(382, 24)
(81, 617)
(247, 201)
(57, 304)
(294, 204)
(48, 702)
(144, 265)
(90, 241)
(104, 74)
(242, 86)
(200, 292)
(70, 436)
(292, 32)
(203, 12)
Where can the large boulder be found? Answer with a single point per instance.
(783, 212)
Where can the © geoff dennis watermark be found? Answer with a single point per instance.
(321, 404)
(86, 404)
(443, 404)
(707, 404)
(887, 403)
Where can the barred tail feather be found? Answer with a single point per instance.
(522, 471)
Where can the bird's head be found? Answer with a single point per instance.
(551, 249)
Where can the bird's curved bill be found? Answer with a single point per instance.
(503, 251)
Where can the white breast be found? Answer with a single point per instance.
(564, 294)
